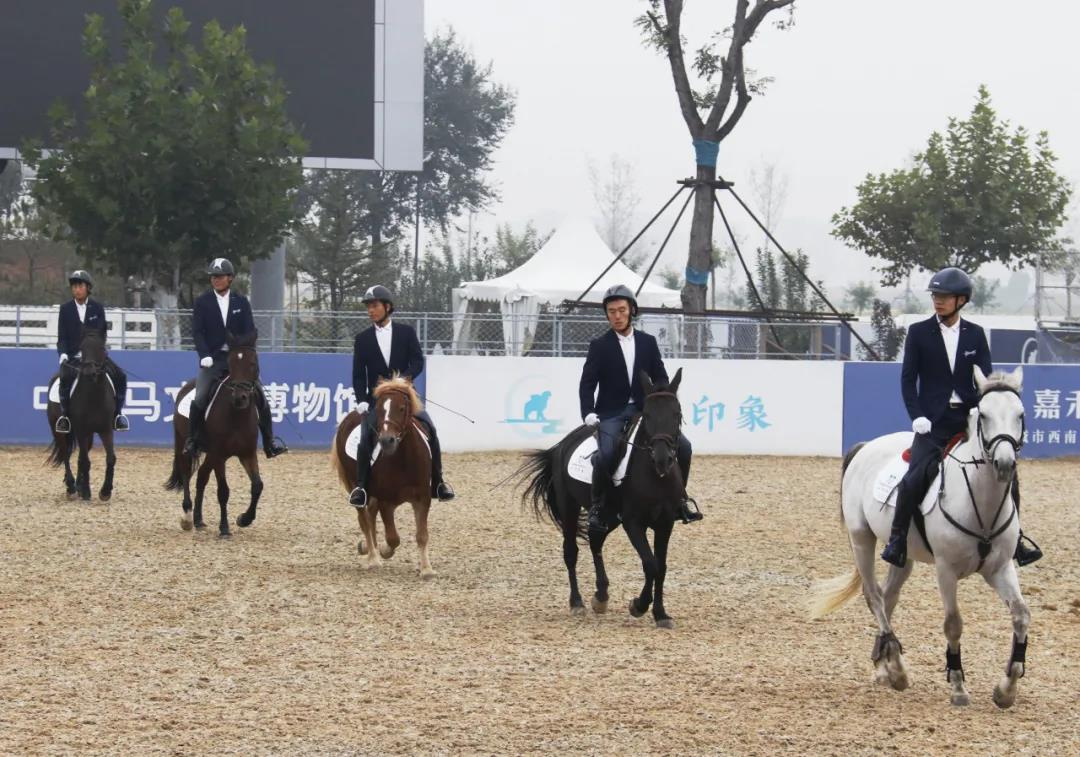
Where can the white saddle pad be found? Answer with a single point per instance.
(580, 466)
(888, 479)
(183, 407)
(54, 388)
(352, 444)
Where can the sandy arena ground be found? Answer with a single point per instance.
(120, 633)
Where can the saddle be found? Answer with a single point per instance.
(580, 465)
(888, 478)
(183, 407)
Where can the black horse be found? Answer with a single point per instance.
(93, 408)
(648, 498)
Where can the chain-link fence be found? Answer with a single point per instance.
(547, 334)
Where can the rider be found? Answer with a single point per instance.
(217, 313)
(615, 362)
(383, 349)
(938, 386)
(81, 313)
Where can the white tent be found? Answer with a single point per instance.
(560, 270)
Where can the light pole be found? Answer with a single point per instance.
(416, 245)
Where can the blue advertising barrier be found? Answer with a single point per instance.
(872, 406)
(309, 394)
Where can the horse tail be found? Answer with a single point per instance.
(335, 463)
(60, 449)
(832, 594)
(539, 468)
(175, 481)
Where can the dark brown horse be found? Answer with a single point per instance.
(232, 430)
(402, 472)
(93, 406)
(648, 499)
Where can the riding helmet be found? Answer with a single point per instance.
(621, 292)
(83, 276)
(220, 267)
(379, 293)
(951, 281)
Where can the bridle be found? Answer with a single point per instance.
(400, 432)
(988, 446)
(667, 439)
(242, 388)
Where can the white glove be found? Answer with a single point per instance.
(63, 359)
(592, 420)
(206, 362)
(921, 425)
(362, 408)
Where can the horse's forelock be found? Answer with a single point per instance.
(1001, 380)
(399, 383)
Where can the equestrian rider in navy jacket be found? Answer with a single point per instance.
(76, 316)
(380, 351)
(938, 386)
(614, 365)
(218, 313)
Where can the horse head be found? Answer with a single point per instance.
(92, 348)
(998, 419)
(396, 402)
(243, 368)
(661, 420)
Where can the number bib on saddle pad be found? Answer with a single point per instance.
(888, 479)
(54, 388)
(580, 466)
(352, 444)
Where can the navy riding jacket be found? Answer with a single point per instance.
(605, 367)
(369, 367)
(207, 328)
(927, 381)
(69, 328)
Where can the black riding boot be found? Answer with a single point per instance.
(119, 379)
(1024, 555)
(895, 552)
(63, 423)
(601, 518)
(272, 445)
(441, 490)
(688, 509)
(195, 441)
(358, 497)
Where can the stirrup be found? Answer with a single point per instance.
(275, 447)
(358, 498)
(121, 423)
(895, 552)
(1023, 555)
(689, 512)
(63, 425)
(444, 492)
(192, 447)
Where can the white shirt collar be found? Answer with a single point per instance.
(379, 328)
(954, 327)
(626, 338)
(222, 296)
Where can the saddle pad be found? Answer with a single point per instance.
(580, 465)
(54, 388)
(183, 407)
(352, 443)
(888, 479)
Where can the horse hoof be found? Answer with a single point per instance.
(428, 574)
(361, 547)
(901, 682)
(1002, 699)
(72, 496)
(665, 623)
(386, 552)
(599, 607)
(634, 609)
(185, 524)
(200, 526)
(224, 534)
(245, 520)
(961, 699)
(104, 497)
(372, 565)
(577, 610)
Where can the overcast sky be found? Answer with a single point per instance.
(859, 85)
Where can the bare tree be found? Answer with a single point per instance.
(615, 192)
(725, 75)
(769, 187)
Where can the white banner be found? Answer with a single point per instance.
(729, 406)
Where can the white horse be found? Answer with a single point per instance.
(972, 529)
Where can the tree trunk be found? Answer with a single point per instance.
(701, 233)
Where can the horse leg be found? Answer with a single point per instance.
(367, 518)
(596, 546)
(223, 499)
(186, 520)
(393, 539)
(660, 544)
(110, 466)
(894, 581)
(570, 556)
(888, 653)
(954, 626)
(200, 490)
(1007, 586)
(421, 512)
(640, 541)
(82, 478)
(251, 467)
(69, 478)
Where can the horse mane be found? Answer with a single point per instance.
(398, 383)
(246, 340)
(999, 380)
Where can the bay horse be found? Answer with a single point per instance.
(648, 498)
(401, 472)
(93, 407)
(232, 430)
(973, 528)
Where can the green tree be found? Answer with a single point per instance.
(984, 293)
(980, 193)
(32, 265)
(888, 338)
(710, 112)
(860, 295)
(10, 183)
(186, 152)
